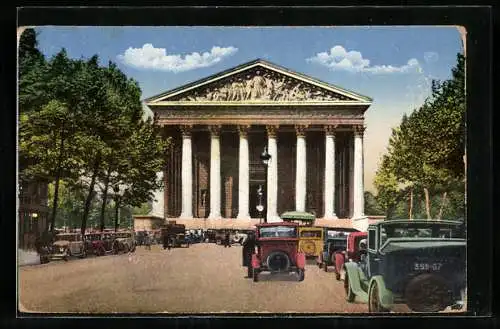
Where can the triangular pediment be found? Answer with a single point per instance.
(257, 82)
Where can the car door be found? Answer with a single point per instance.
(373, 257)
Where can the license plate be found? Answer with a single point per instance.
(427, 266)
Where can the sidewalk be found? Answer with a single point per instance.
(27, 257)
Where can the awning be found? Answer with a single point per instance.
(298, 215)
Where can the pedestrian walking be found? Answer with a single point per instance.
(248, 250)
(147, 241)
(227, 242)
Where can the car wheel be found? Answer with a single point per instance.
(249, 272)
(255, 274)
(373, 299)
(325, 267)
(133, 248)
(301, 274)
(84, 254)
(349, 294)
(320, 261)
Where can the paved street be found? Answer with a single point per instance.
(202, 278)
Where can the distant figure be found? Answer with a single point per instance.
(147, 241)
(227, 241)
(248, 251)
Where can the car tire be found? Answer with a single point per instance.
(349, 294)
(320, 261)
(133, 248)
(301, 274)
(84, 254)
(255, 274)
(373, 299)
(427, 292)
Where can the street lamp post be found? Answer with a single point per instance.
(266, 159)
(260, 206)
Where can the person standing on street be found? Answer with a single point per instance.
(248, 250)
(147, 241)
(227, 242)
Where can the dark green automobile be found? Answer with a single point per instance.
(334, 246)
(420, 263)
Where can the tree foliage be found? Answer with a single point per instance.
(425, 152)
(81, 123)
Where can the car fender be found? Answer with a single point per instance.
(386, 299)
(301, 260)
(255, 261)
(353, 272)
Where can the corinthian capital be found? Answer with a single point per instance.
(301, 130)
(330, 130)
(215, 130)
(243, 130)
(186, 130)
(358, 130)
(272, 131)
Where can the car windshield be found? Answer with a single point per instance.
(334, 233)
(310, 234)
(278, 232)
(409, 230)
(339, 243)
(65, 237)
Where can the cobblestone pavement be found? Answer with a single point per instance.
(204, 278)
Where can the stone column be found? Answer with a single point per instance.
(272, 175)
(301, 171)
(215, 174)
(243, 175)
(187, 173)
(330, 172)
(359, 202)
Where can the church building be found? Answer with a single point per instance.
(220, 125)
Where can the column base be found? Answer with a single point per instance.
(216, 216)
(243, 217)
(186, 216)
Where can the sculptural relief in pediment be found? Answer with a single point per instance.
(259, 84)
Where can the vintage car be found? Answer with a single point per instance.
(334, 250)
(174, 235)
(420, 263)
(278, 250)
(124, 242)
(311, 240)
(68, 245)
(101, 243)
(139, 237)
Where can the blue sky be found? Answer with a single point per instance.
(392, 65)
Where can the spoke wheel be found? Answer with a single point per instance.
(374, 301)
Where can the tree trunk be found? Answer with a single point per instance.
(427, 203)
(90, 195)
(104, 199)
(443, 201)
(56, 187)
(411, 203)
(117, 208)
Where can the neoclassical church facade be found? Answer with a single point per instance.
(220, 125)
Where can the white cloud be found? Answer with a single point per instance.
(340, 59)
(149, 57)
(431, 57)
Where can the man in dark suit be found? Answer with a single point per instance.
(248, 250)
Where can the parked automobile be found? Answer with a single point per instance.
(124, 242)
(420, 263)
(334, 250)
(278, 250)
(174, 235)
(101, 243)
(67, 245)
(311, 240)
(139, 236)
